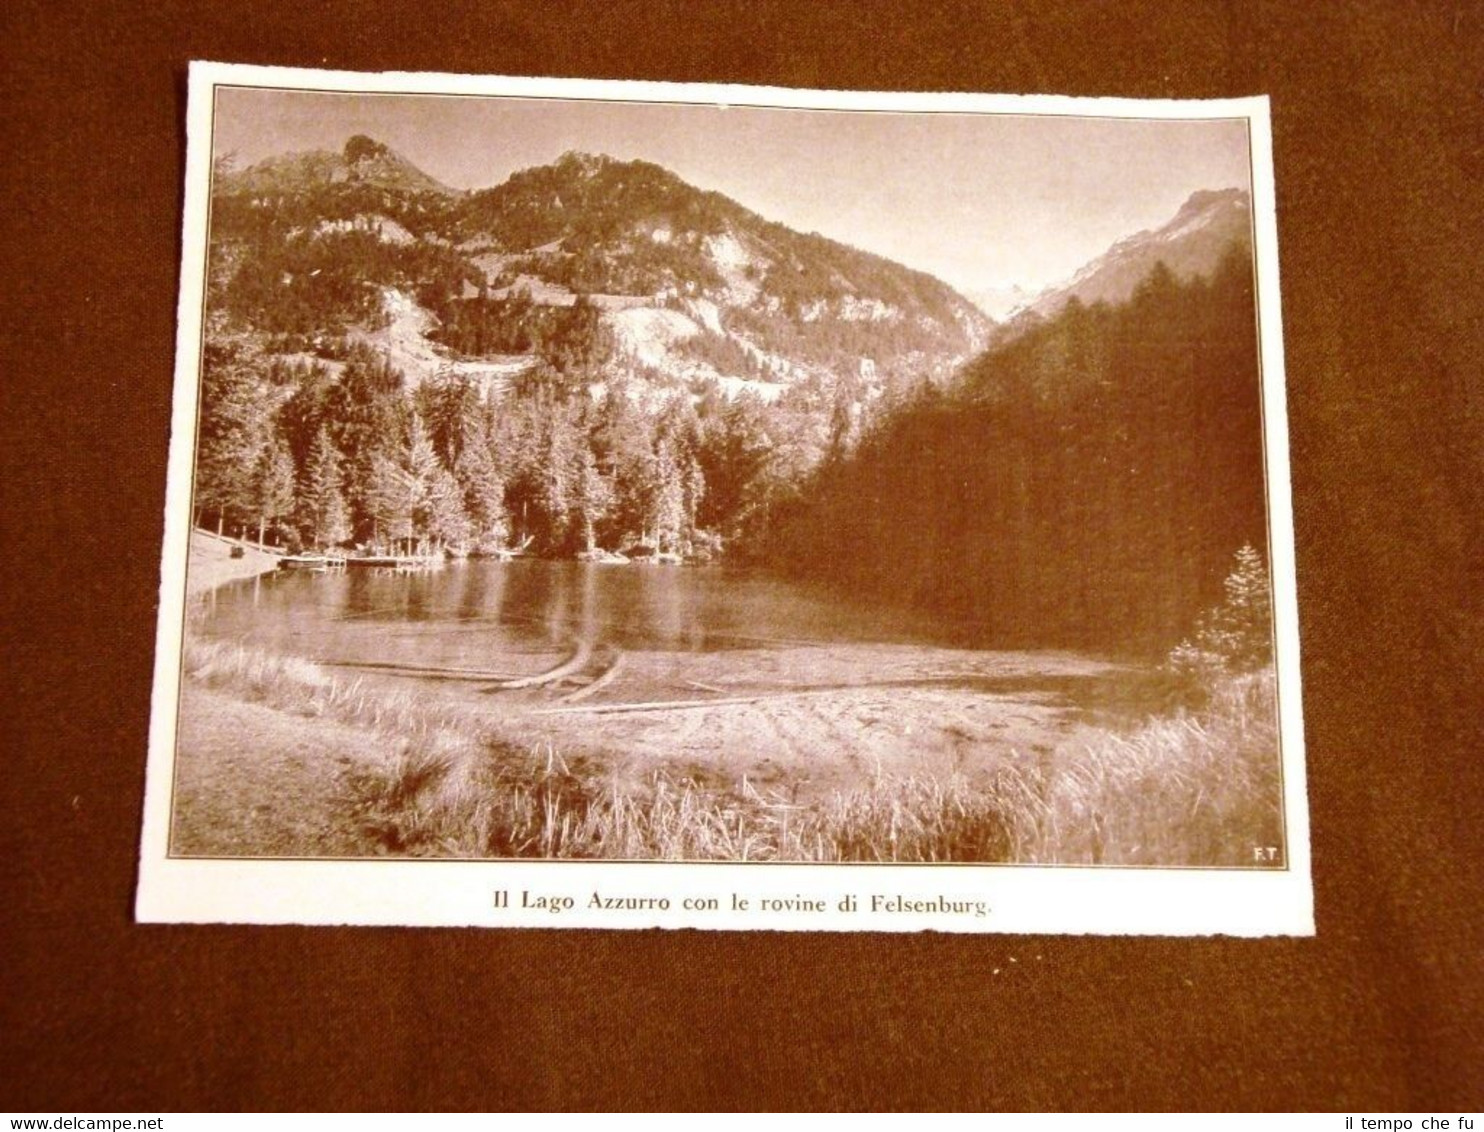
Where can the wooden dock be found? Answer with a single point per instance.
(402, 563)
(314, 562)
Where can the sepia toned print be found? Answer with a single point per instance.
(573, 472)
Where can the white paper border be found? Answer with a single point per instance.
(1107, 900)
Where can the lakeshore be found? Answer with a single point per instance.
(339, 769)
(211, 563)
(813, 725)
(540, 708)
(689, 694)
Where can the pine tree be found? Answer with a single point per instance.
(667, 499)
(594, 496)
(622, 443)
(233, 432)
(450, 407)
(368, 414)
(1240, 630)
(435, 502)
(484, 493)
(390, 495)
(556, 479)
(273, 484)
(1234, 637)
(734, 453)
(693, 483)
(446, 522)
(307, 411)
(322, 516)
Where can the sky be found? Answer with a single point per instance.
(981, 201)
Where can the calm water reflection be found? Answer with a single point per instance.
(479, 612)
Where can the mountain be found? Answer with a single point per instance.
(562, 363)
(694, 285)
(1002, 302)
(669, 283)
(1191, 244)
(362, 162)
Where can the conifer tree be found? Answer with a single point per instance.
(1240, 630)
(594, 496)
(233, 432)
(446, 521)
(667, 499)
(484, 492)
(368, 411)
(273, 484)
(322, 516)
(733, 455)
(433, 497)
(450, 407)
(307, 411)
(621, 439)
(1082, 483)
(390, 495)
(693, 484)
(556, 475)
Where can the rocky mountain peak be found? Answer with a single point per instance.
(1190, 244)
(361, 161)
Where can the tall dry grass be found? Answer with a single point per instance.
(302, 687)
(1195, 788)
(1192, 789)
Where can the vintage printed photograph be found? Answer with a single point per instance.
(596, 473)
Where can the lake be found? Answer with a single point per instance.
(488, 613)
(728, 672)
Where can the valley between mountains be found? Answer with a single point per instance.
(637, 525)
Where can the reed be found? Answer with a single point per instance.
(1187, 789)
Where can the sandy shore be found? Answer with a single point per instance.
(211, 563)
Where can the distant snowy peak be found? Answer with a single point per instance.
(1002, 302)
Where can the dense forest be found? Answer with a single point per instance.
(570, 338)
(1085, 484)
(315, 458)
(311, 437)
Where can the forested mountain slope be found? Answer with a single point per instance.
(670, 283)
(1190, 244)
(1086, 483)
(594, 353)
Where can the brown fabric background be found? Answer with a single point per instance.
(1378, 127)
